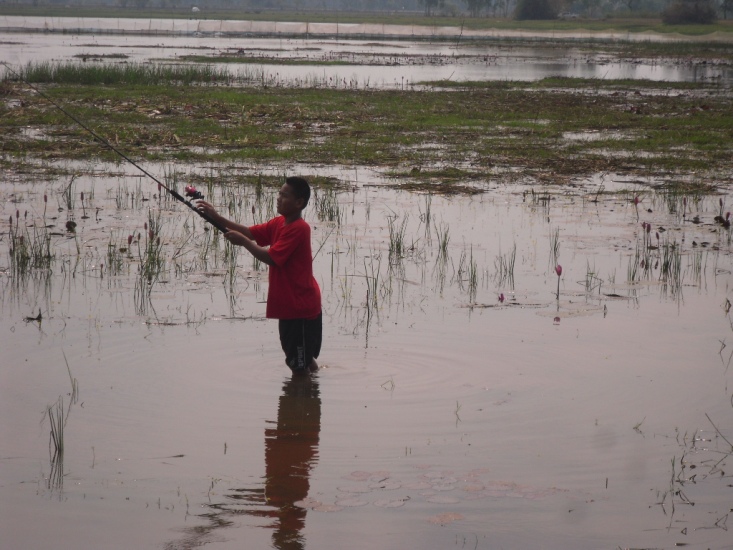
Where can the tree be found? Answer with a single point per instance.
(725, 7)
(475, 6)
(686, 12)
(536, 9)
(430, 5)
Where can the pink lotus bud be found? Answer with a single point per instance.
(129, 240)
(642, 264)
(558, 270)
(636, 200)
(45, 198)
(145, 225)
(501, 297)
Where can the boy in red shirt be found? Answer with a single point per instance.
(293, 295)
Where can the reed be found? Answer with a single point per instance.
(397, 246)
(504, 267)
(554, 246)
(670, 269)
(129, 74)
(115, 257)
(442, 233)
(326, 205)
(57, 419)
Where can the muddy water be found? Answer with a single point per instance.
(442, 417)
(387, 59)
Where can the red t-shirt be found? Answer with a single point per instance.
(293, 292)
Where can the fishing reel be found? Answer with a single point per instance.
(193, 193)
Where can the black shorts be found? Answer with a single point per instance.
(301, 341)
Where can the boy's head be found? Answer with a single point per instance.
(300, 188)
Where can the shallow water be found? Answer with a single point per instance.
(392, 61)
(442, 417)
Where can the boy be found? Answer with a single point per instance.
(293, 295)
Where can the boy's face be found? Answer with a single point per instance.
(287, 202)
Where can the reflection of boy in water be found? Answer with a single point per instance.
(291, 451)
(293, 295)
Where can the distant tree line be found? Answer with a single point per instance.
(671, 11)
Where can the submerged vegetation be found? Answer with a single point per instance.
(551, 131)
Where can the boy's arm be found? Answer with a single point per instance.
(211, 212)
(235, 237)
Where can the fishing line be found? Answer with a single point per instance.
(172, 192)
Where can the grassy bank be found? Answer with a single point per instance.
(552, 131)
(626, 24)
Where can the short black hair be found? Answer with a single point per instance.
(301, 188)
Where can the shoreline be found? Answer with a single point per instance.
(353, 31)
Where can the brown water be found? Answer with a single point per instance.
(442, 417)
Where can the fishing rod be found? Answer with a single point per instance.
(190, 191)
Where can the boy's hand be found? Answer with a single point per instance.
(206, 208)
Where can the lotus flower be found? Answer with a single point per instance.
(501, 298)
(558, 270)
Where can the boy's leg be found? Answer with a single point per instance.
(301, 341)
(313, 338)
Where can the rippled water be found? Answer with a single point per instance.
(442, 417)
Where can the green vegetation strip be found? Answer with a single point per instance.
(551, 131)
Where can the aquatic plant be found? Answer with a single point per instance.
(591, 279)
(670, 269)
(554, 246)
(326, 205)
(442, 233)
(467, 273)
(140, 74)
(504, 267)
(397, 245)
(558, 271)
(28, 250)
(57, 419)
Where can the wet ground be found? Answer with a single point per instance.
(468, 396)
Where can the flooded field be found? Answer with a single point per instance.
(504, 366)
(468, 394)
(386, 57)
